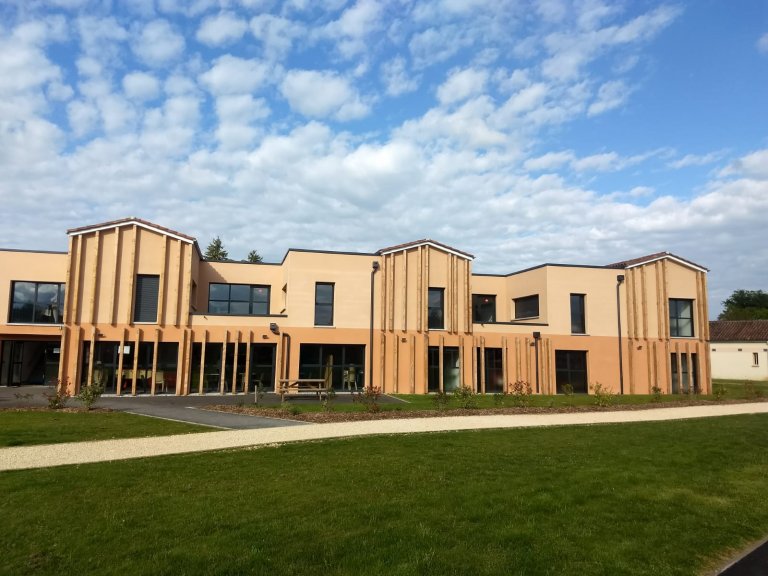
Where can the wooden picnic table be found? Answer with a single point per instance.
(317, 386)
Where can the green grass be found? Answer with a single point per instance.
(668, 498)
(742, 389)
(25, 428)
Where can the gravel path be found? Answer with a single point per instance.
(24, 457)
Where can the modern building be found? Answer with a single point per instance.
(136, 307)
(739, 349)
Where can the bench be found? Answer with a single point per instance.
(317, 386)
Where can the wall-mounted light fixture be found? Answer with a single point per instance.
(274, 328)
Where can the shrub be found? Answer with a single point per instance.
(656, 391)
(258, 393)
(328, 399)
(89, 394)
(718, 392)
(441, 400)
(58, 399)
(567, 389)
(751, 391)
(521, 392)
(369, 398)
(465, 397)
(603, 394)
(499, 400)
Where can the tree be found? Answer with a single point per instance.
(255, 257)
(216, 251)
(745, 305)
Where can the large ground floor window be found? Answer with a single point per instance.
(685, 375)
(28, 362)
(106, 365)
(451, 369)
(494, 373)
(262, 367)
(571, 369)
(343, 363)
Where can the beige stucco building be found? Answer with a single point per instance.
(739, 349)
(135, 306)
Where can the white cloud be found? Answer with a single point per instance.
(140, 86)
(461, 84)
(696, 160)
(396, 79)
(549, 161)
(233, 75)
(236, 115)
(753, 165)
(220, 29)
(610, 95)
(157, 44)
(350, 30)
(83, 117)
(762, 43)
(277, 34)
(320, 94)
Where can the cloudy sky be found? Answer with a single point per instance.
(520, 131)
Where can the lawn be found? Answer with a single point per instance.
(669, 498)
(24, 428)
(739, 389)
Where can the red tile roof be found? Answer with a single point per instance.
(738, 331)
(652, 258)
(416, 243)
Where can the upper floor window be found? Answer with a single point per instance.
(324, 304)
(435, 298)
(483, 308)
(145, 302)
(37, 302)
(680, 318)
(238, 299)
(578, 319)
(527, 307)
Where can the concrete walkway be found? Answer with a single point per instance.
(23, 457)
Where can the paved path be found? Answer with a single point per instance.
(22, 457)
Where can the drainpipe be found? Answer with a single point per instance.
(619, 282)
(536, 338)
(374, 268)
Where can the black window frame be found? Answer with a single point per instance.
(675, 318)
(322, 307)
(142, 307)
(569, 365)
(251, 301)
(436, 314)
(525, 301)
(578, 314)
(477, 308)
(36, 311)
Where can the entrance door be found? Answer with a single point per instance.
(12, 362)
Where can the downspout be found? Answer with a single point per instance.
(619, 282)
(374, 268)
(536, 338)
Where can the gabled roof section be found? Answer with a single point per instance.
(655, 257)
(425, 242)
(129, 222)
(738, 331)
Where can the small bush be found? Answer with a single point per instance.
(89, 394)
(369, 398)
(441, 400)
(521, 392)
(567, 389)
(465, 397)
(718, 392)
(499, 400)
(751, 391)
(603, 394)
(58, 399)
(656, 391)
(328, 399)
(258, 393)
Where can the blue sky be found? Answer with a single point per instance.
(523, 132)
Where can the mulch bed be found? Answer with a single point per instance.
(330, 417)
